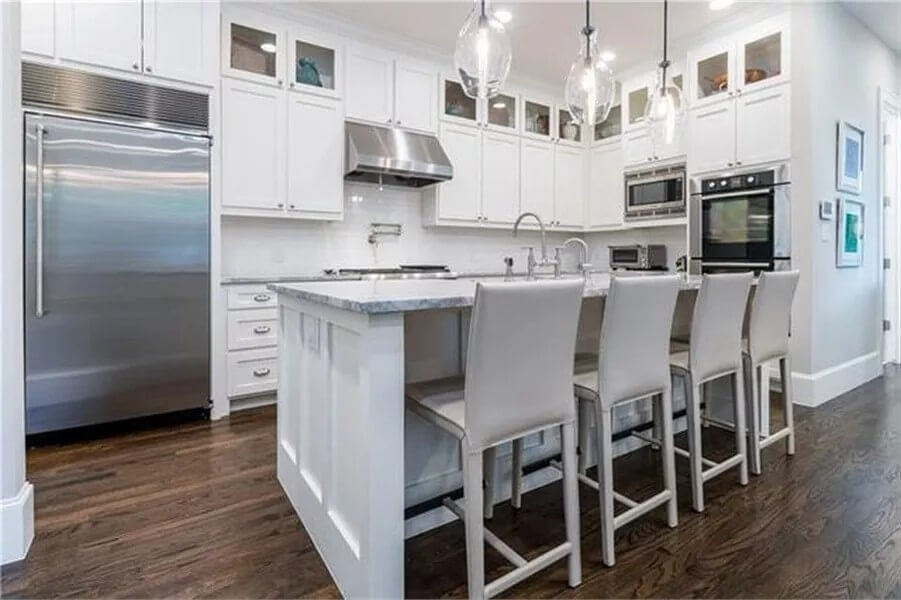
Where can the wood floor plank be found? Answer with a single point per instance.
(195, 510)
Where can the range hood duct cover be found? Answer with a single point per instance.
(393, 156)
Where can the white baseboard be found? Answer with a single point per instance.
(16, 524)
(820, 387)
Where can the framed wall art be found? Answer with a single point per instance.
(849, 241)
(849, 163)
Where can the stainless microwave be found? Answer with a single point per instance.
(655, 194)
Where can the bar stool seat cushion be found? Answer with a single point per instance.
(440, 402)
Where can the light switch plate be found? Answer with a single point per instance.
(827, 210)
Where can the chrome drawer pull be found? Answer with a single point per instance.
(261, 329)
(262, 298)
(262, 372)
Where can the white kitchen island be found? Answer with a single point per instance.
(346, 349)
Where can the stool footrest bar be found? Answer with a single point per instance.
(492, 540)
(528, 569)
(767, 440)
(686, 454)
(641, 508)
(727, 464)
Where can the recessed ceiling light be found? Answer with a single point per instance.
(608, 56)
(499, 105)
(503, 15)
(268, 47)
(720, 4)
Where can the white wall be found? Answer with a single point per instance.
(837, 67)
(16, 503)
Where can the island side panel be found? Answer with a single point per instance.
(341, 439)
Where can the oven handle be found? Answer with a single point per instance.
(757, 192)
(39, 225)
(734, 264)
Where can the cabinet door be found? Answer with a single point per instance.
(460, 198)
(106, 34)
(711, 143)
(455, 105)
(416, 96)
(537, 178)
(315, 156)
(763, 55)
(711, 73)
(38, 35)
(180, 39)
(763, 125)
(253, 168)
(253, 48)
(569, 186)
(537, 118)
(370, 85)
(315, 64)
(635, 93)
(500, 177)
(637, 147)
(605, 186)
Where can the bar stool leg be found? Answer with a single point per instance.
(786, 374)
(490, 469)
(516, 495)
(669, 457)
(604, 433)
(741, 445)
(693, 415)
(583, 410)
(571, 504)
(753, 385)
(473, 507)
(656, 432)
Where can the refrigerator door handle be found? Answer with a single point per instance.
(39, 225)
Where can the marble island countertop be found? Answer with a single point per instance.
(405, 295)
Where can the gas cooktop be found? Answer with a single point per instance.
(399, 272)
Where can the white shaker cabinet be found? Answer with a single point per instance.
(637, 147)
(459, 200)
(500, 177)
(415, 95)
(537, 178)
(569, 186)
(253, 157)
(38, 35)
(711, 143)
(605, 186)
(370, 84)
(180, 39)
(315, 157)
(763, 125)
(100, 33)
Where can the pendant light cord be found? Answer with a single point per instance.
(483, 8)
(665, 62)
(588, 29)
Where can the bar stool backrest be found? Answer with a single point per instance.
(768, 329)
(716, 325)
(519, 365)
(635, 332)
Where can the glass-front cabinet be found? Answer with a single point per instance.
(456, 105)
(253, 50)
(537, 118)
(502, 112)
(612, 126)
(568, 131)
(315, 64)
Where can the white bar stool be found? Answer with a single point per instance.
(768, 335)
(518, 381)
(715, 351)
(633, 364)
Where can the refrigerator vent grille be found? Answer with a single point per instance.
(88, 93)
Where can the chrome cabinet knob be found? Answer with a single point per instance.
(148, 69)
(291, 206)
(262, 298)
(280, 81)
(135, 66)
(280, 205)
(291, 84)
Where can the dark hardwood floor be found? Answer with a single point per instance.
(195, 510)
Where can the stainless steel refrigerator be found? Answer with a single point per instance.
(117, 271)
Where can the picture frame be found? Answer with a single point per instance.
(849, 158)
(850, 238)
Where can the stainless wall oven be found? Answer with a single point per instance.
(655, 194)
(741, 222)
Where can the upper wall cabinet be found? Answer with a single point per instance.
(253, 49)
(174, 40)
(456, 106)
(314, 64)
(389, 90)
(754, 58)
(537, 118)
(501, 113)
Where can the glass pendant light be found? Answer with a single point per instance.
(482, 56)
(590, 87)
(665, 110)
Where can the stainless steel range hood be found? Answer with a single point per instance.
(393, 156)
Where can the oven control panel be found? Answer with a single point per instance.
(729, 183)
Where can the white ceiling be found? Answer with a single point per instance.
(882, 18)
(544, 34)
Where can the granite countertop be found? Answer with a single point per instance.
(238, 280)
(405, 295)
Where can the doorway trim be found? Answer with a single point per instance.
(889, 145)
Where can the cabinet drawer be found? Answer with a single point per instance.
(252, 328)
(251, 296)
(252, 372)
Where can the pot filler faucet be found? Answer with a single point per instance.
(545, 261)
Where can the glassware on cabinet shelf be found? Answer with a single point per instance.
(502, 111)
(457, 103)
(713, 75)
(315, 65)
(568, 128)
(610, 127)
(763, 58)
(253, 50)
(638, 99)
(677, 81)
(538, 118)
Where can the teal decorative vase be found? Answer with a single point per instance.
(307, 72)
